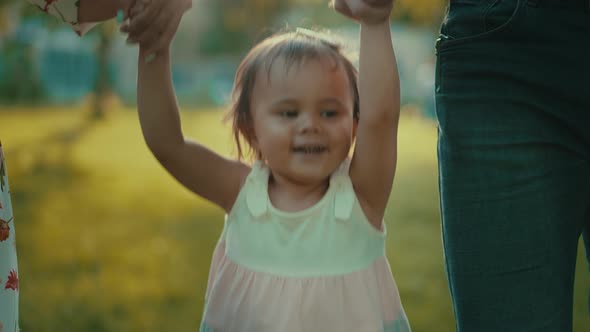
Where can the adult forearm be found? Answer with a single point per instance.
(101, 10)
(158, 110)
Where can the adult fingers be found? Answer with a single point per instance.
(188, 4)
(145, 18)
(150, 36)
(133, 12)
(164, 39)
(342, 7)
(137, 8)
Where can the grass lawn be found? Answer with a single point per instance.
(108, 241)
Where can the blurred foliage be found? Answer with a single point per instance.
(104, 84)
(420, 12)
(416, 12)
(236, 24)
(20, 79)
(21, 83)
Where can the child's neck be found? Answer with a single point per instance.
(288, 196)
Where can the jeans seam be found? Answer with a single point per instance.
(444, 44)
(487, 13)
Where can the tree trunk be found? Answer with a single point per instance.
(102, 87)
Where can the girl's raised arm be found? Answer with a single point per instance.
(196, 167)
(375, 155)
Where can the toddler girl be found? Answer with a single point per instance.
(303, 246)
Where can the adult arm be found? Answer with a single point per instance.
(82, 15)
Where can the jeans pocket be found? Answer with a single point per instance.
(470, 21)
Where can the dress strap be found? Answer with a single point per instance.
(256, 191)
(343, 191)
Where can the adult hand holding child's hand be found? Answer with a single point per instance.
(153, 23)
(364, 11)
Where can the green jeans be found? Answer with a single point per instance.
(513, 107)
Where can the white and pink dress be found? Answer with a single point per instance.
(316, 270)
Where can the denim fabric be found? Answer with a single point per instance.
(513, 107)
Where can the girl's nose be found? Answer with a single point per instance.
(310, 123)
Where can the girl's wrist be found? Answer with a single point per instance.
(375, 25)
(162, 55)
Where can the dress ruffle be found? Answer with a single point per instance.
(243, 300)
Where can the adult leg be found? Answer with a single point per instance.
(513, 103)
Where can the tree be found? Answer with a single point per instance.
(237, 23)
(103, 86)
(421, 12)
(416, 12)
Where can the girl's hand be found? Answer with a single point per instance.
(364, 11)
(153, 23)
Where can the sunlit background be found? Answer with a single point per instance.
(107, 241)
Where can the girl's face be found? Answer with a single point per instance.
(303, 119)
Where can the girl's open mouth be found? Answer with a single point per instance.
(310, 149)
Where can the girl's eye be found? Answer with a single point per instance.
(329, 114)
(288, 114)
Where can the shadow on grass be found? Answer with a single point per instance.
(37, 170)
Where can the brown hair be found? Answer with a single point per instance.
(295, 47)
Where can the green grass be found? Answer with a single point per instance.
(108, 241)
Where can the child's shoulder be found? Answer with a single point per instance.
(240, 172)
(245, 170)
